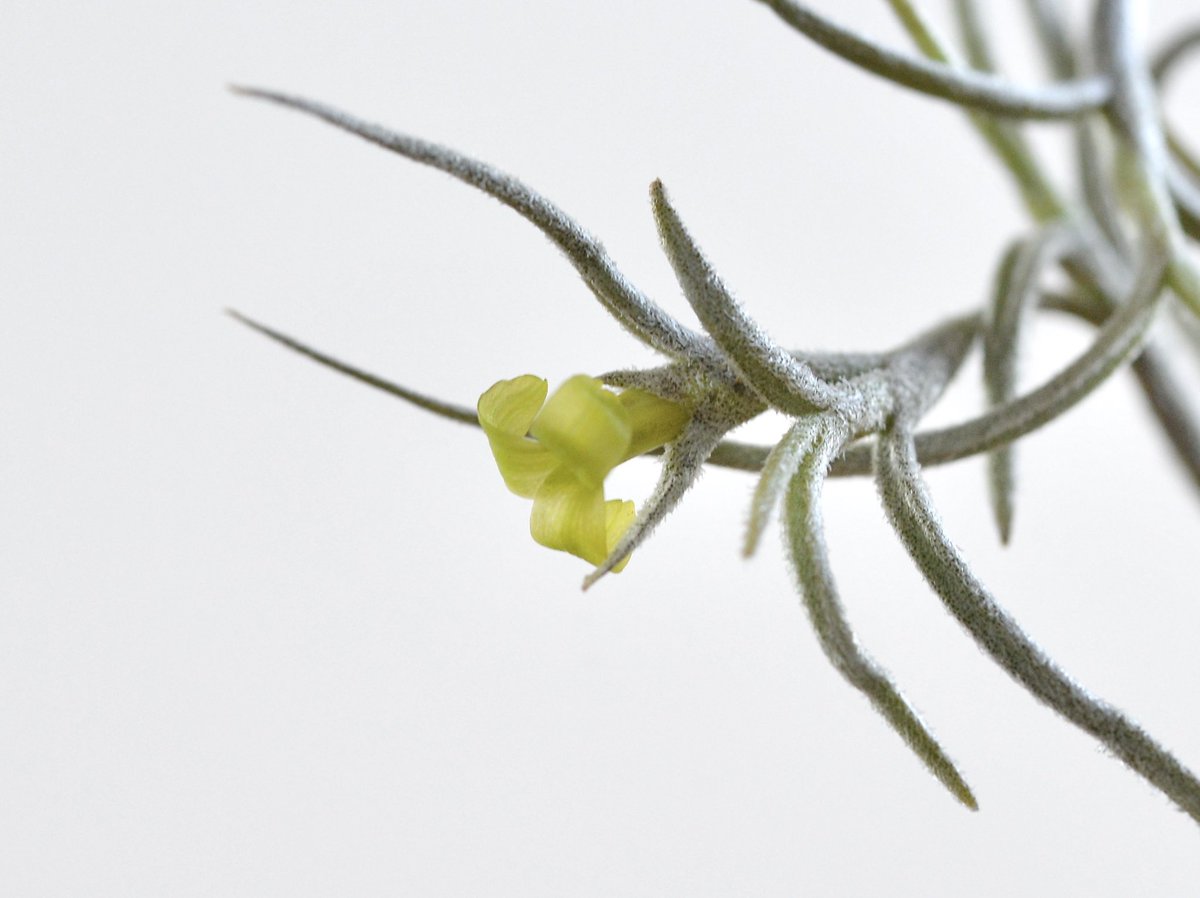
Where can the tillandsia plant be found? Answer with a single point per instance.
(1121, 240)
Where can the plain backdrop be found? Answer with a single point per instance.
(264, 631)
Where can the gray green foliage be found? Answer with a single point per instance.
(1122, 242)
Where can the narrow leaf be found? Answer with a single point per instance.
(1016, 292)
(810, 563)
(911, 514)
(973, 89)
(777, 472)
(445, 409)
(682, 462)
(1135, 111)
(780, 379)
(622, 299)
(1117, 341)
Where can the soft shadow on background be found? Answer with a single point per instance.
(266, 632)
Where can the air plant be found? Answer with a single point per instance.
(1122, 242)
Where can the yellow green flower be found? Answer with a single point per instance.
(558, 451)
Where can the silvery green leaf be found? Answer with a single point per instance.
(1001, 134)
(911, 514)
(777, 471)
(1117, 341)
(431, 404)
(682, 461)
(1016, 292)
(620, 298)
(973, 34)
(1164, 60)
(810, 563)
(971, 89)
(781, 380)
(1135, 110)
(920, 370)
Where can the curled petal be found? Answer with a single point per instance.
(506, 411)
(585, 427)
(572, 516)
(654, 421)
(575, 438)
(569, 515)
(682, 462)
(509, 406)
(619, 515)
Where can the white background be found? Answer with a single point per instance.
(264, 631)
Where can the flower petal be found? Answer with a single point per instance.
(619, 515)
(505, 412)
(682, 461)
(586, 428)
(509, 406)
(655, 421)
(569, 515)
